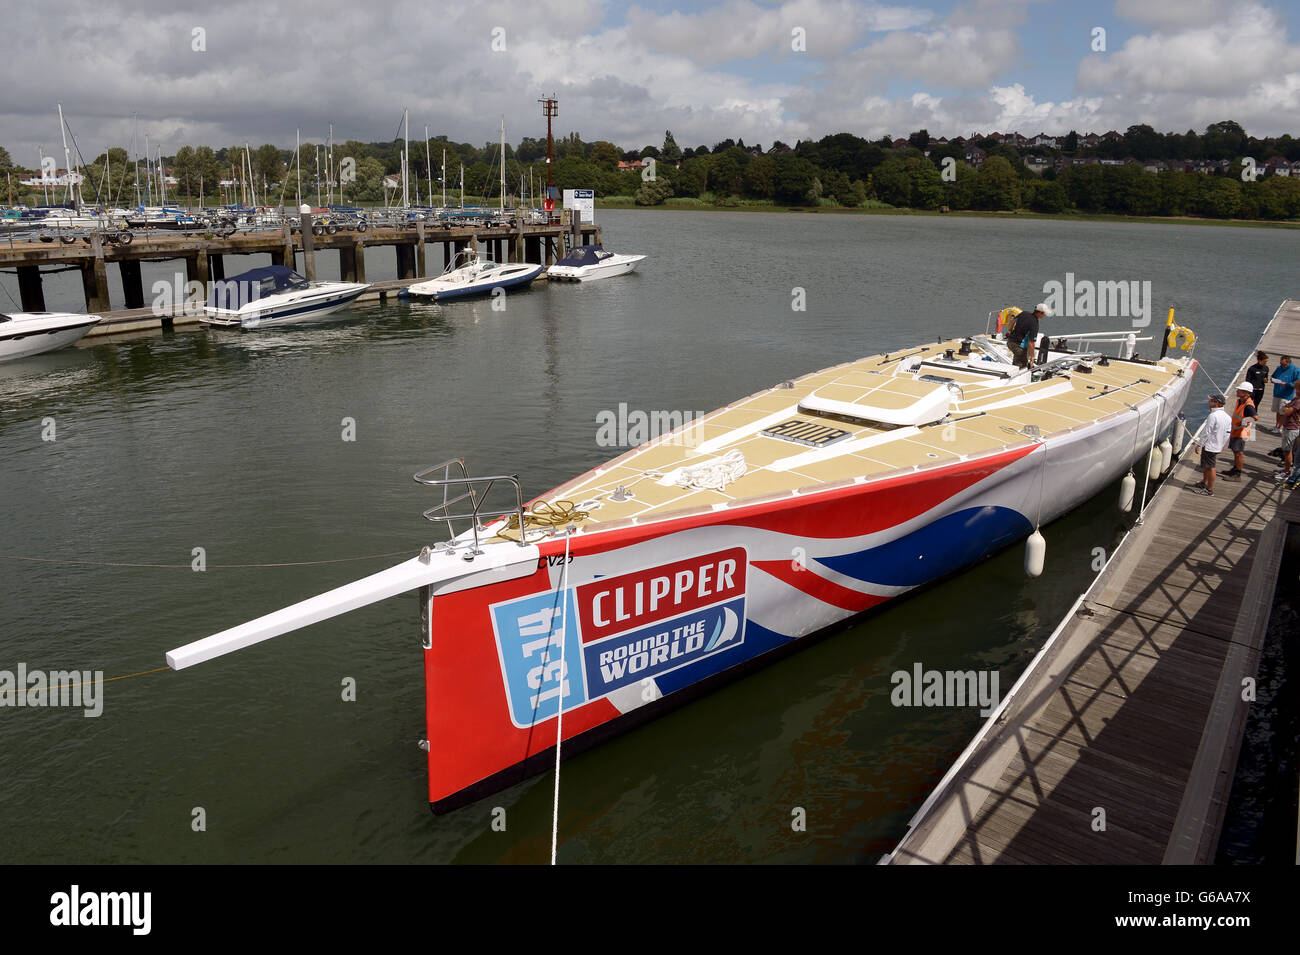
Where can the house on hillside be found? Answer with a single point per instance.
(975, 156)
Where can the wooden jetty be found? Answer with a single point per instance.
(1119, 743)
(203, 258)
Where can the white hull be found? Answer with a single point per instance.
(33, 333)
(617, 265)
(287, 309)
(478, 279)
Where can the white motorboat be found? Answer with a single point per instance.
(589, 262)
(23, 334)
(470, 274)
(275, 295)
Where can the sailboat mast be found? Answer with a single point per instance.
(297, 164)
(406, 157)
(67, 156)
(503, 164)
(162, 179)
(428, 163)
(444, 177)
(329, 167)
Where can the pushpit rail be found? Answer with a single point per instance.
(476, 491)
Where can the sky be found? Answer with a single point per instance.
(758, 70)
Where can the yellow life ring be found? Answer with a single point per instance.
(1006, 317)
(1177, 332)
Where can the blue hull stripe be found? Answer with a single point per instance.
(939, 548)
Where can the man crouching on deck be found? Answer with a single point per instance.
(1214, 438)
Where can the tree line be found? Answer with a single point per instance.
(841, 169)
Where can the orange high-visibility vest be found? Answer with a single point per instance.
(1242, 426)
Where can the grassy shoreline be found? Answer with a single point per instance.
(964, 213)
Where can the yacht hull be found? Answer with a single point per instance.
(638, 619)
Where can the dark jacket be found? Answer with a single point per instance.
(1257, 375)
(1024, 330)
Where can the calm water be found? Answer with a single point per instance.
(232, 442)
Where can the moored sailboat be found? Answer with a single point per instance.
(725, 544)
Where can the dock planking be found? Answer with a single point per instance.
(1134, 706)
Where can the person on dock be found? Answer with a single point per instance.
(1257, 375)
(1290, 423)
(1243, 429)
(1284, 379)
(1023, 336)
(1214, 438)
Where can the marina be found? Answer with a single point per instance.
(823, 715)
(202, 260)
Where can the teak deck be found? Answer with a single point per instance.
(1134, 708)
(988, 419)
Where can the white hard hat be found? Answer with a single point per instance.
(1246, 386)
(1040, 307)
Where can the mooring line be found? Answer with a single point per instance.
(559, 717)
(290, 563)
(111, 679)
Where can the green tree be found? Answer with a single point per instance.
(795, 179)
(6, 164)
(727, 172)
(1083, 184)
(925, 185)
(760, 178)
(184, 169)
(268, 166)
(691, 178)
(892, 182)
(1218, 197)
(999, 187)
(653, 192)
(670, 152)
(1048, 196)
(207, 172)
(605, 154)
(1177, 190)
(961, 193)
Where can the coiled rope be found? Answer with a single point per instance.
(540, 515)
(714, 476)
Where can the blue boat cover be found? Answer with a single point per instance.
(585, 255)
(252, 285)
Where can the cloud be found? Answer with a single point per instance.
(741, 29)
(1173, 13)
(1219, 58)
(721, 69)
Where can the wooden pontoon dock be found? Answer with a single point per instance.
(1119, 743)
